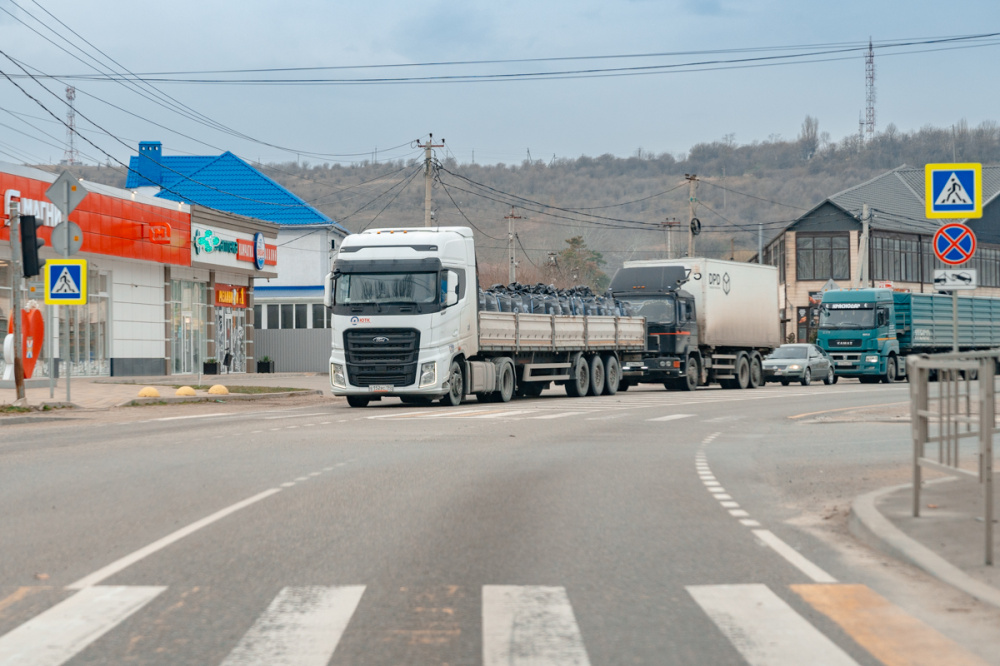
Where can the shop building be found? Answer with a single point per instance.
(151, 303)
(820, 250)
(290, 322)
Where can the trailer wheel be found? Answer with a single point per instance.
(742, 372)
(579, 378)
(756, 372)
(596, 376)
(690, 380)
(358, 400)
(456, 386)
(612, 374)
(506, 383)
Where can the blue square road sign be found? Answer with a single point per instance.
(953, 191)
(66, 281)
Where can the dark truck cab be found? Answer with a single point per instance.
(655, 293)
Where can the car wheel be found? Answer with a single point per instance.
(807, 377)
(830, 378)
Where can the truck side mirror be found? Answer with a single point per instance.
(328, 287)
(451, 293)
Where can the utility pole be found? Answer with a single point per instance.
(668, 224)
(692, 180)
(862, 274)
(428, 175)
(15, 293)
(512, 271)
(760, 243)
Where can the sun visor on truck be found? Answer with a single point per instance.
(424, 265)
(648, 279)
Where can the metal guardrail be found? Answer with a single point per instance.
(960, 409)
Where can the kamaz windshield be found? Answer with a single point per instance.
(387, 289)
(834, 316)
(656, 309)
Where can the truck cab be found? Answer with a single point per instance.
(857, 327)
(404, 306)
(655, 293)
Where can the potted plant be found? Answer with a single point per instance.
(210, 367)
(265, 364)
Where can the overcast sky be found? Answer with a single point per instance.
(489, 120)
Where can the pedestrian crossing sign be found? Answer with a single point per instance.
(953, 190)
(66, 282)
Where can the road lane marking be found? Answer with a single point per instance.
(302, 626)
(794, 557)
(672, 417)
(530, 625)
(749, 522)
(765, 629)
(132, 558)
(891, 635)
(738, 513)
(294, 416)
(512, 412)
(63, 631)
(558, 415)
(844, 409)
(190, 416)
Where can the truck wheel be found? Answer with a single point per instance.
(756, 372)
(612, 374)
(506, 382)
(890, 371)
(742, 372)
(579, 378)
(456, 386)
(807, 377)
(357, 400)
(596, 376)
(690, 380)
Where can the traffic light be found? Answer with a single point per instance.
(30, 244)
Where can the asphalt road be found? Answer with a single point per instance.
(650, 527)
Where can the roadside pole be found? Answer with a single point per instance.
(692, 180)
(66, 251)
(428, 175)
(15, 294)
(50, 342)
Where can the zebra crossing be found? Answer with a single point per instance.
(520, 626)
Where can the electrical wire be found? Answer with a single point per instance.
(751, 196)
(388, 203)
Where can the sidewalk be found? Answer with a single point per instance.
(947, 540)
(108, 392)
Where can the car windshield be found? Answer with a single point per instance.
(846, 315)
(790, 352)
(656, 309)
(385, 288)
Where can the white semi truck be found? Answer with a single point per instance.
(406, 323)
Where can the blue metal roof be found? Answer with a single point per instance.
(224, 182)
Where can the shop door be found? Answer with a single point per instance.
(188, 344)
(231, 340)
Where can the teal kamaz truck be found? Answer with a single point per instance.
(869, 332)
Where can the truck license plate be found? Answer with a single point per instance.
(381, 388)
(843, 363)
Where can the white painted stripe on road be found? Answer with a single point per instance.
(132, 558)
(530, 626)
(301, 627)
(672, 417)
(63, 631)
(294, 416)
(512, 412)
(794, 557)
(765, 629)
(192, 416)
(557, 416)
(398, 415)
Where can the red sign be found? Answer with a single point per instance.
(954, 244)
(111, 225)
(230, 296)
(159, 234)
(32, 336)
(245, 252)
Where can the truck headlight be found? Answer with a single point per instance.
(337, 376)
(871, 359)
(428, 374)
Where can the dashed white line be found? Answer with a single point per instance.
(796, 558)
(672, 417)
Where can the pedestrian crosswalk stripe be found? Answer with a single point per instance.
(301, 627)
(61, 632)
(796, 558)
(765, 630)
(891, 635)
(530, 625)
(672, 417)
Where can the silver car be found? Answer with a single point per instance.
(799, 362)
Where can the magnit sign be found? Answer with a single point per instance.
(44, 211)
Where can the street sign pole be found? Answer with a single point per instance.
(15, 294)
(954, 244)
(65, 324)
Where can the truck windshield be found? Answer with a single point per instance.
(387, 288)
(846, 315)
(656, 309)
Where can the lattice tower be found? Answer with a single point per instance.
(870, 91)
(71, 157)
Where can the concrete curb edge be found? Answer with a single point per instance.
(871, 527)
(136, 402)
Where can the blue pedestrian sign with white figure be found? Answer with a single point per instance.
(953, 190)
(66, 282)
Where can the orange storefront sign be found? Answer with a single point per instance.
(111, 225)
(230, 296)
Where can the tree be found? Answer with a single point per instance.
(583, 265)
(809, 137)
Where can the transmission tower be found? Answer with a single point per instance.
(870, 91)
(71, 157)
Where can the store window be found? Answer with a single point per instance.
(273, 318)
(319, 316)
(189, 321)
(822, 256)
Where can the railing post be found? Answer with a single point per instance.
(987, 419)
(918, 403)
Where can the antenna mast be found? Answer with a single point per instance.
(870, 91)
(71, 157)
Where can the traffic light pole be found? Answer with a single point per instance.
(15, 295)
(64, 309)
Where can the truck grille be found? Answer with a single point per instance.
(382, 356)
(845, 360)
(839, 342)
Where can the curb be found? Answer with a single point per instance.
(18, 420)
(169, 380)
(870, 526)
(232, 397)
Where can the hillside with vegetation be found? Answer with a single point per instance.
(619, 208)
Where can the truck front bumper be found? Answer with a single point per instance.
(655, 369)
(431, 379)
